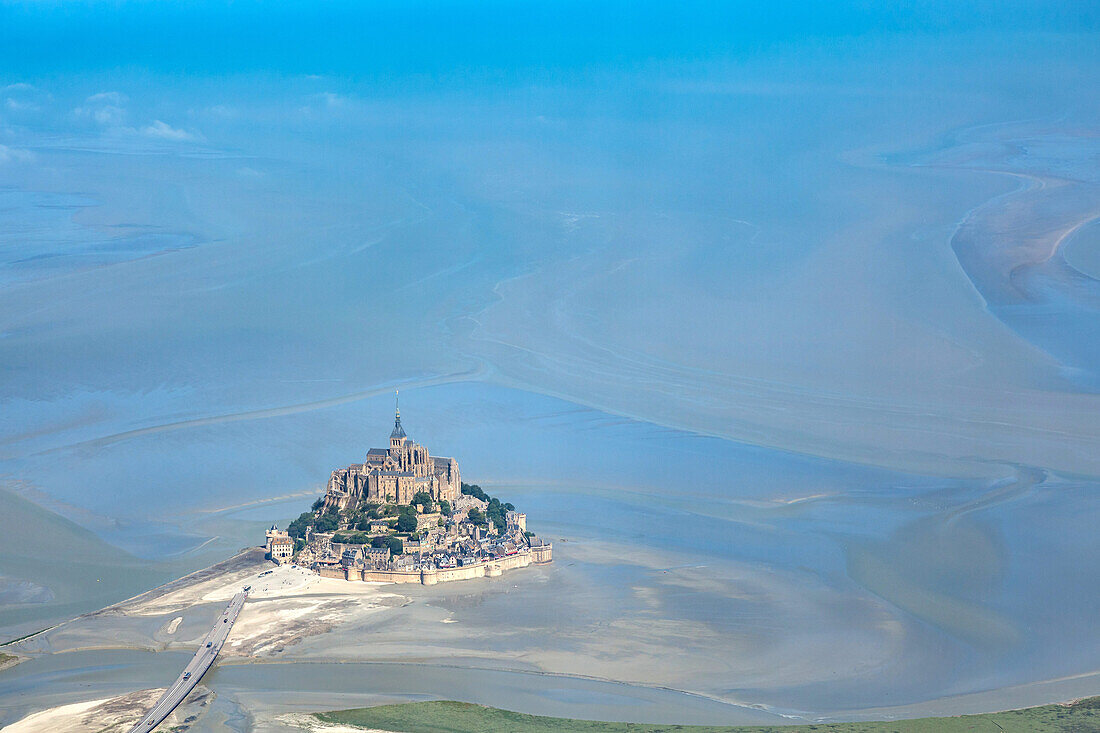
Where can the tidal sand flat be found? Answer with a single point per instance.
(780, 325)
(112, 714)
(772, 630)
(1082, 249)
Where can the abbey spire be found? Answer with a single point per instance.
(398, 435)
(394, 475)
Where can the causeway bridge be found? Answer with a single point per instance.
(208, 651)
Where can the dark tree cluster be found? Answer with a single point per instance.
(424, 500)
(495, 512)
(475, 491)
(394, 543)
(406, 520)
(366, 511)
(298, 527)
(327, 522)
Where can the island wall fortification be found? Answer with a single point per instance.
(433, 575)
(405, 516)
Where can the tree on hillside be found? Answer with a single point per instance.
(424, 499)
(327, 522)
(475, 491)
(406, 520)
(298, 527)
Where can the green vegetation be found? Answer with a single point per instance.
(424, 500)
(475, 491)
(352, 538)
(394, 543)
(361, 518)
(460, 717)
(406, 520)
(327, 522)
(352, 526)
(494, 513)
(297, 528)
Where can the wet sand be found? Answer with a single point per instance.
(774, 350)
(1082, 250)
(114, 714)
(570, 623)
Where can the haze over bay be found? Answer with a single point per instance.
(781, 324)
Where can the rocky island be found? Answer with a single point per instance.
(405, 516)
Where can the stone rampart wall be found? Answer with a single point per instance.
(490, 569)
(391, 576)
(542, 553)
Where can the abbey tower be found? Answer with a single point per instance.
(394, 476)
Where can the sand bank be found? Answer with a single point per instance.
(112, 714)
(9, 660)
(298, 721)
(286, 603)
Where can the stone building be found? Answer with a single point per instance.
(377, 554)
(394, 475)
(541, 551)
(516, 520)
(280, 547)
(427, 521)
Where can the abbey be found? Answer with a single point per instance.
(394, 475)
(403, 516)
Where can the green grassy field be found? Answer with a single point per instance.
(459, 717)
